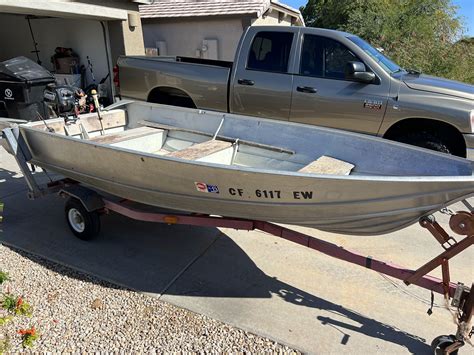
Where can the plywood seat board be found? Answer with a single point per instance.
(200, 150)
(328, 166)
(125, 135)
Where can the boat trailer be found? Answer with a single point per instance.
(84, 207)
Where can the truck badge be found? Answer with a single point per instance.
(373, 104)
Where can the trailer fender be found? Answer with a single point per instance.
(90, 199)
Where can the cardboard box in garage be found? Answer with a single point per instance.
(67, 65)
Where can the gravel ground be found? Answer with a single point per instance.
(74, 312)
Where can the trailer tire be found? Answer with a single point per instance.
(84, 225)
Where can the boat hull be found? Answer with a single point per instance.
(358, 205)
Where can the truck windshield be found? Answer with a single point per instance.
(384, 62)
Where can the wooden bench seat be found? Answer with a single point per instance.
(200, 150)
(125, 135)
(328, 166)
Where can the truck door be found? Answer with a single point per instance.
(262, 81)
(322, 96)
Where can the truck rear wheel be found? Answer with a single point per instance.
(170, 96)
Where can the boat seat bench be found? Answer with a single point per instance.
(200, 150)
(89, 121)
(327, 166)
(125, 135)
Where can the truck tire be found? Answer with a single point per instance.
(426, 140)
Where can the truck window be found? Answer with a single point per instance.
(270, 51)
(324, 57)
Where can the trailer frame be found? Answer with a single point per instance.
(462, 223)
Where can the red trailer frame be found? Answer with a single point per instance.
(461, 223)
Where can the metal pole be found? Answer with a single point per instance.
(36, 51)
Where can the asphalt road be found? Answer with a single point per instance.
(249, 279)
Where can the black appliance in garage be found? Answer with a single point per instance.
(22, 83)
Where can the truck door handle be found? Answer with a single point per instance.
(246, 82)
(307, 89)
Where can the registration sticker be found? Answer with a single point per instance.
(203, 187)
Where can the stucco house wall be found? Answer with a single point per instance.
(272, 19)
(182, 25)
(124, 38)
(184, 37)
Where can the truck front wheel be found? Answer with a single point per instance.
(426, 140)
(430, 134)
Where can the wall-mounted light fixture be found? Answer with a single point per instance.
(133, 20)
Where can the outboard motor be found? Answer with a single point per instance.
(65, 100)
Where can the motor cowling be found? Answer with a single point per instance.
(65, 99)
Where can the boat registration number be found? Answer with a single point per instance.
(257, 193)
(276, 194)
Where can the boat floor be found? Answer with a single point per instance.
(194, 146)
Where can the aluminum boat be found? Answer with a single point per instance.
(248, 167)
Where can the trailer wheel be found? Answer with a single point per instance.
(440, 343)
(84, 224)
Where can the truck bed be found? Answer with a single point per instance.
(206, 81)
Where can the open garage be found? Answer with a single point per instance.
(78, 42)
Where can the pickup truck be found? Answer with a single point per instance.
(313, 76)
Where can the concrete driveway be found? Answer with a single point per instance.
(249, 279)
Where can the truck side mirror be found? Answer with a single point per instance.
(357, 71)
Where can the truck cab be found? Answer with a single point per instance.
(335, 79)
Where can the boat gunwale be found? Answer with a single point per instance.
(390, 178)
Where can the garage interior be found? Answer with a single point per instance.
(87, 38)
(96, 32)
